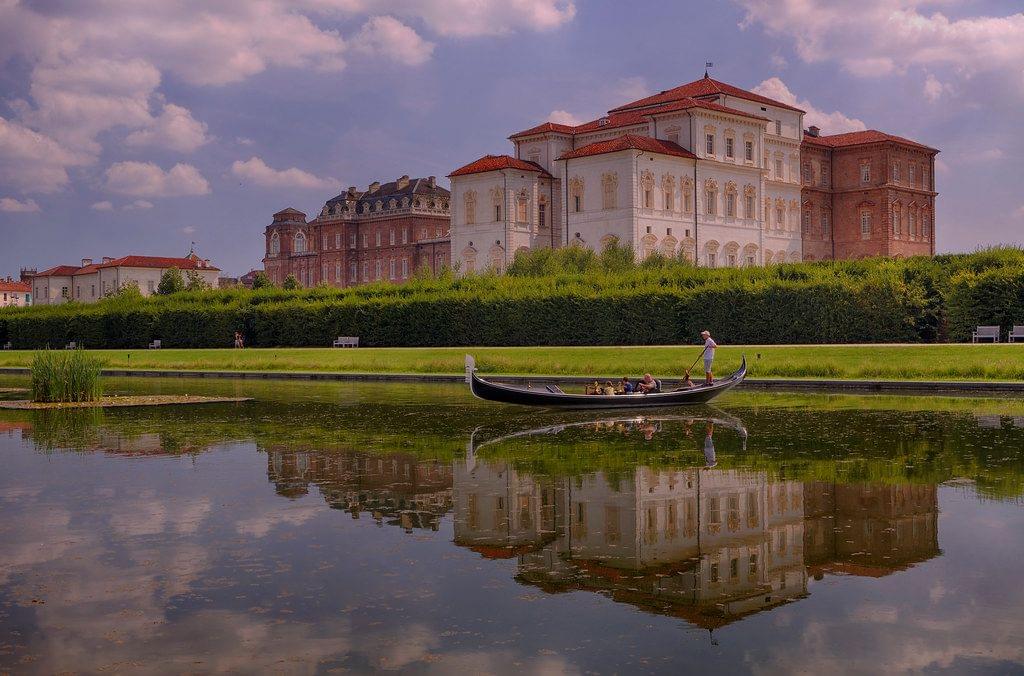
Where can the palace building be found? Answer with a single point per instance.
(706, 171)
(386, 232)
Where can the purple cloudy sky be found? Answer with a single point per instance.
(139, 127)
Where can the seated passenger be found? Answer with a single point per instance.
(608, 388)
(625, 387)
(593, 388)
(648, 384)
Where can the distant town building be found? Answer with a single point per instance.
(14, 293)
(706, 171)
(386, 232)
(91, 281)
(247, 279)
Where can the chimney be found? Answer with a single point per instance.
(602, 122)
(352, 191)
(814, 131)
(374, 187)
(402, 181)
(107, 259)
(86, 262)
(432, 181)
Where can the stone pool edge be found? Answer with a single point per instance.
(818, 385)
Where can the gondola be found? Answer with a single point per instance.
(551, 396)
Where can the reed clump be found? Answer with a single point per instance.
(66, 376)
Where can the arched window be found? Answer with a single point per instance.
(768, 256)
(647, 244)
(647, 189)
(608, 240)
(522, 206)
(496, 258)
(469, 258)
(730, 199)
(609, 190)
(668, 189)
(299, 245)
(710, 197)
(542, 212)
(732, 253)
(275, 244)
(576, 194)
(750, 255)
(668, 246)
(711, 253)
(780, 214)
(469, 201)
(686, 184)
(496, 199)
(749, 202)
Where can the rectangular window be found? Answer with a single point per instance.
(366, 240)
(63, 292)
(377, 238)
(542, 219)
(337, 240)
(576, 203)
(710, 198)
(405, 235)
(92, 291)
(865, 224)
(896, 172)
(731, 260)
(778, 168)
(712, 260)
(778, 127)
(824, 224)
(391, 268)
(924, 180)
(780, 218)
(352, 241)
(353, 272)
(405, 268)
(376, 269)
(865, 173)
(824, 175)
(730, 151)
(323, 243)
(709, 144)
(151, 286)
(648, 199)
(730, 205)
(391, 237)
(748, 151)
(687, 206)
(807, 173)
(337, 271)
(910, 174)
(366, 271)
(497, 212)
(670, 200)
(749, 207)
(806, 221)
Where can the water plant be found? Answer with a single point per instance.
(66, 376)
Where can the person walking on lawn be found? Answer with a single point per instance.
(709, 356)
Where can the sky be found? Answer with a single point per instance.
(139, 128)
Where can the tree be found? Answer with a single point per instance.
(171, 282)
(290, 283)
(127, 291)
(261, 281)
(196, 282)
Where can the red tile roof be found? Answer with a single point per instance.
(546, 127)
(58, 271)
(699, 88)
(14, 286)
(187, 263)
(858, 138)
(496, 163)
(629, 142)
(629, 118)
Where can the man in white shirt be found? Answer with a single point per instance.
(709, 356)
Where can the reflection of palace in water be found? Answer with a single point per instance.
(407, 492)
(706, 545)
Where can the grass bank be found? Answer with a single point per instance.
(887, 362)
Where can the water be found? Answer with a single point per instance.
(330, 527)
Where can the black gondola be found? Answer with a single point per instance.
(551, 396)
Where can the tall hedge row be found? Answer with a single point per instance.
(861, 301)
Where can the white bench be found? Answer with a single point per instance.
(7, 345)
(346, 341)
(986, 333)
(155, 345)
(71, 346)
(1016, 333)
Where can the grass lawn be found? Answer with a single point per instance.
(893, 362)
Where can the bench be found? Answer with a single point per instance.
(985, 333)
(7, 345)
(71, 346)
(1016, 333)
(346, 341)
(155, 345)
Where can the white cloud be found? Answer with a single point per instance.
(12, 205)
(1019, 212)
(385, 37)
(105, 205)
(33, 162)
(564, 117)
(934, 89)
(174, 128)
(991, 155)
(145, 179)
(244, 141)
(188, 230)
(256, 171)
(830, 123)
(895, 35)
(464, 18)
(137, 205)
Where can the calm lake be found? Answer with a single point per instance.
(330, 527)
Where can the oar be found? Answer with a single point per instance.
(696, 360)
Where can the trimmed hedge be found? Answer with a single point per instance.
(667, 302)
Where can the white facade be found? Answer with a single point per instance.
(91, 282)
(730, 198)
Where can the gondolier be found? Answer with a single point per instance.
(709, 356)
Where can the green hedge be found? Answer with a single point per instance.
(596, 303)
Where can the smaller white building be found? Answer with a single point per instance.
(14, 293)
(92, 281)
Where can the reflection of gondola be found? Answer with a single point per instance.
(552, 396)
(720, 419)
